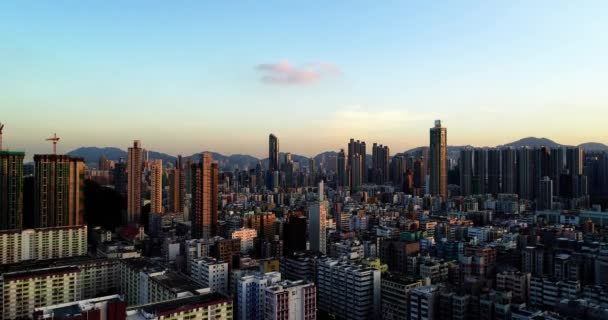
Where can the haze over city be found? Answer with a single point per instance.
(191, 76)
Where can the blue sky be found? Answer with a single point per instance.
(186, 76)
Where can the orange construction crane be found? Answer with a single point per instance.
(54, 139)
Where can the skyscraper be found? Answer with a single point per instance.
(525, 173)
(438, 153)
(380, 163)
(545, 200)
(466, 171)
(398, 168)
(58, 191)
(509, 169)
(156, 194)
(357, 160)
(480, 171)
(317, 213)
(177, 186)
(11, 190)
(204, 215)
(494, 171)
(341, 168)
(273, 160)
(574, 161)
(134, 172)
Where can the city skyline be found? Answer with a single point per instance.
(313, 85)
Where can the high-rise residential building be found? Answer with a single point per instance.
(574, 161)
(312, 171)
(380, 164)
(398, 168)
(525, 173)
(465, 164)
(211, 273)
(509, 170)
(341, 169)
(291, 300)
(204, 215)
(156, 194)
(395, 295)
(121, 177)
(11, 190)
(250, 295)
(419, 174)
(424, 303)
(42, 244)
(204, 306)
(545, 199)
(287, 169)
(494, 171)
(103, 308)
(556, 167)
(134, 183)
(177, 186)
(347, 290)
(317, 214)
(480, 171)
(438, 153)
(58, 191)
(357, 166)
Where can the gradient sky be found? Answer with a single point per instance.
(186, 76)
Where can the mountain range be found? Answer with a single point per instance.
(91, 155)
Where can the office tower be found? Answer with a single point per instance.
(250, 295)
(556, 164)
(317, 215)
(525, 173)
(156, 194)
(11, 190)
(121, 177)
(380, 163)
(356, 172)
(341, 168)
(438, 153)
(291, 300)
(58, 191)
(574, 161)
(480, 171)
(465, 164)
(509, 170)
(273, 153)
(347, 290)
(494, 171)
(424, 303)
(398, 168)
(134, 183)
(204, 198)
(545, 200)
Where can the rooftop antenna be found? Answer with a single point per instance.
(54, 139)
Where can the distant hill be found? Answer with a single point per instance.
(92, 154)
(593, 146)
(534, 142)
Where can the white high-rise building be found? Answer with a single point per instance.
(42, 244)
(251, 290)
(247, 237)
(211, 273)
(291, 300)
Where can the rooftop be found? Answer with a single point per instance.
(177, 305)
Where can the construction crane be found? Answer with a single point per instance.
(54, 139)
(1, 127)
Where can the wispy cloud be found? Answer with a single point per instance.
(285, 73)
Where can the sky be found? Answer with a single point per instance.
(186, 76)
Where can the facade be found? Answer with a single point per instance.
(545, 201)
(204, 198)
(59, 194)
(177, 190)
(156, 194)
(135, 164)
(342, 173)
(424, 303)
(247, 237)
(358, 295)
(42, 244)
(357, 162)
(211, 273)
(395, 294)
(291, 300)
(205, 306)
(102, 308)
(317, 230)
(438, 154)
(380, 164)
(11, 190)
(250, 295)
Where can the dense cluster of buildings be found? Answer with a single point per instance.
(432, 233)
